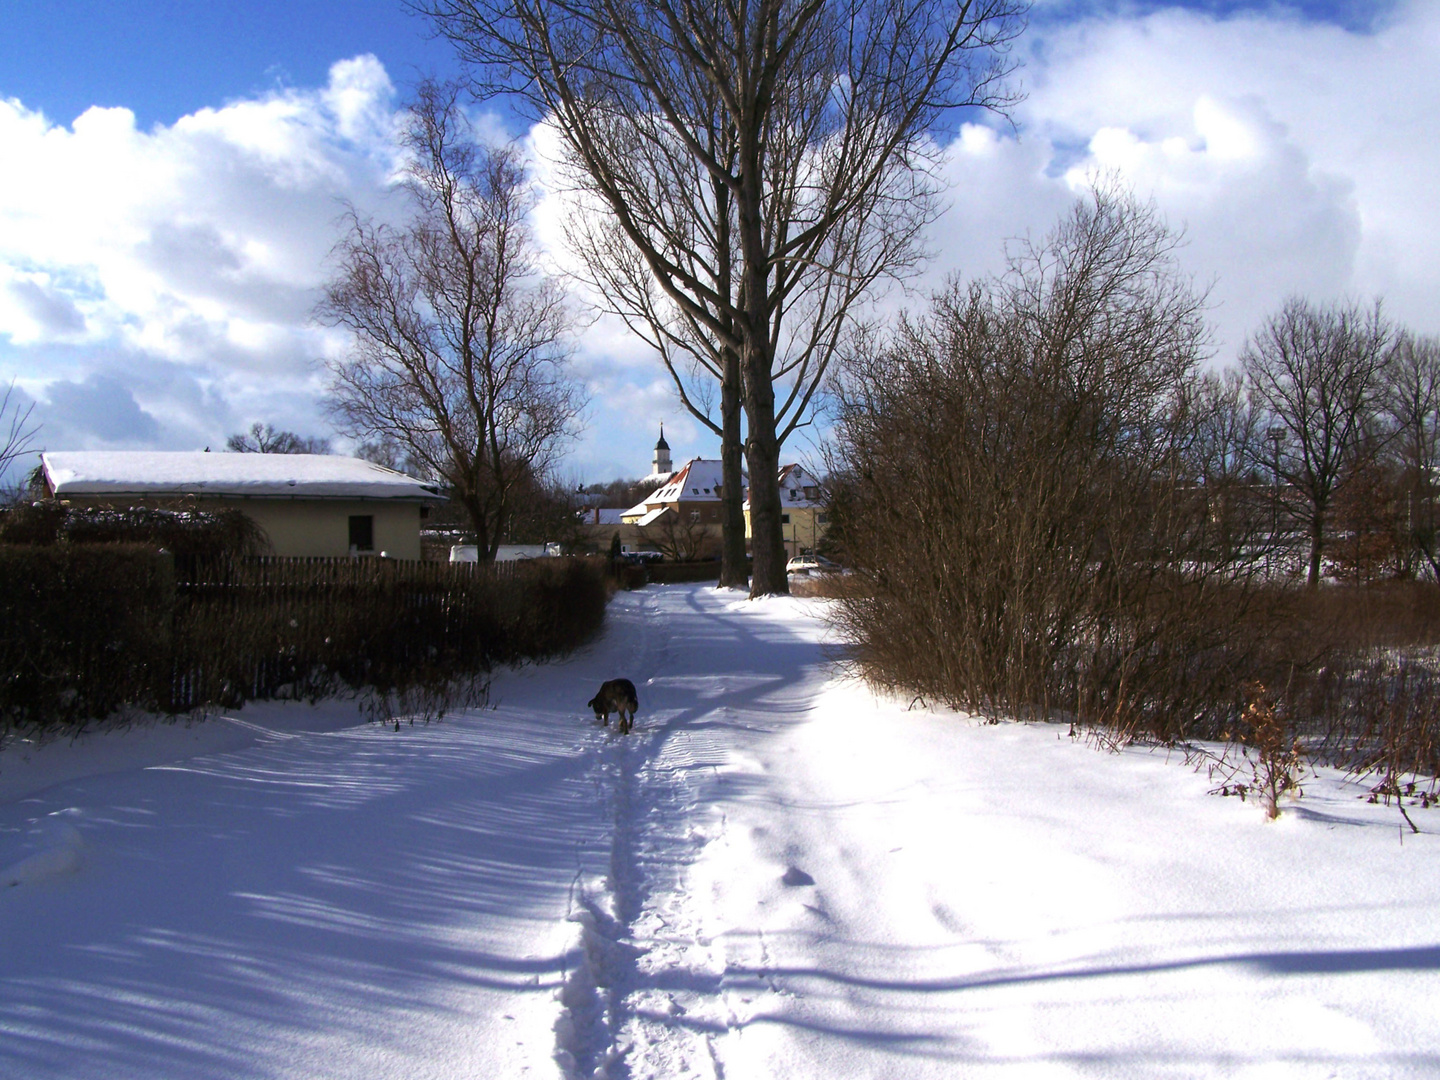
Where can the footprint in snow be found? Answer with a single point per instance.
(795, 877)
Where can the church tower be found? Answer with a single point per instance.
(661, 465)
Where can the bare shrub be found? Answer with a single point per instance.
(1380, 721)
(1275, 755)
(1021, 494)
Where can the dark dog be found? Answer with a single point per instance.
(617, 696)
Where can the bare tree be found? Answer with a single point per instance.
(1412, 401)
(16, 431)
(767, 165)
(1316, 371)
(459, 362)
(264, 439)
(682, 537)
(1223, 455)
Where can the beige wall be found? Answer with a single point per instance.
(322, 526)
(802, 533)
(310, 526)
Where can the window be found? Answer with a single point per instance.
(821, 519)
(362, 532)
(784, 519)
(694, 515)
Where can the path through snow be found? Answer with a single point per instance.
(774, 876)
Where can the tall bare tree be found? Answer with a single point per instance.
(459, 362)
(1223, 452)
(1316, 371)
(765, 162)
(1412, 401)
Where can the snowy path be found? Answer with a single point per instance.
(775, 876)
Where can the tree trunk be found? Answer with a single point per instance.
(1317, 543)
(485, 544)
(733, 572)
(762, 452)
(762, 447)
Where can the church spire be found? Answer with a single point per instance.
(661, 464)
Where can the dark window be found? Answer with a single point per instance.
(362, 532)
(784, 519)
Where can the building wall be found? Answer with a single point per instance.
(322, 527)
(308, 527)
(801, 533)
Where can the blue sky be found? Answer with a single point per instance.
(173, 172)
(165, 58)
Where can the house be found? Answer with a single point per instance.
(307, 504)
(803, 517)
(693, 494)
(681, 517)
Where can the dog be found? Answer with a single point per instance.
(617, 696)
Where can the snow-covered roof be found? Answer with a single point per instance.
(794, 481)
(145, 472)
(653, 516)
(699, 480)
(601, 515)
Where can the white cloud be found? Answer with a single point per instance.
(199, 245)
(1297, 156)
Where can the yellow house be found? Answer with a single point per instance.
(802, 511)
(681, 517)
(307, 504)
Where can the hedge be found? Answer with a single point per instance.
(89, 630)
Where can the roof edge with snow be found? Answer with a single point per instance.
(228, 475)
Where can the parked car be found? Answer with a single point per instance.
(811, 564)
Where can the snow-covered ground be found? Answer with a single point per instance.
(776, 875)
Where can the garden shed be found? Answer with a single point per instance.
(307, 504)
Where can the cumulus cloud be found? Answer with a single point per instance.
(1296, 155)
(201, 245)
(101, 408)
